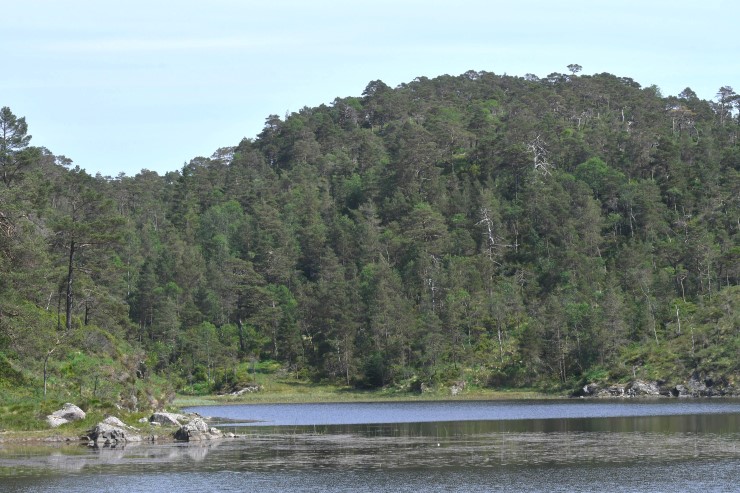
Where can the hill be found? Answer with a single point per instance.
(497, 230)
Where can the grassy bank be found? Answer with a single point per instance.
(274, 391)
(24, 419)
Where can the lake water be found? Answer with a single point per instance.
(529, 446)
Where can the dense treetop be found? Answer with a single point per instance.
(501, 230)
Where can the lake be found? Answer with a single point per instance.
(530, 446)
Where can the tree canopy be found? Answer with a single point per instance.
(501, 230)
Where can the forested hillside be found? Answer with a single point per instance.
(503, 231)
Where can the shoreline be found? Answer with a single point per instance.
(78, 436)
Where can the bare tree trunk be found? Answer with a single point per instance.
(58, 341)
(70, 277)
(678, 319)
(242, 341)
(500, 345)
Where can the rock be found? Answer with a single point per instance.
(55, 421)
(615, 390)
(197, 430)
(590, 389)
(641, 388)
(68, 413)
(681, 391)
(457, 387)
(113, 421)
(168, 419)
(248, 390)
(696, 386)
(107, 434)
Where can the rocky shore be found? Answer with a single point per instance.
(695, 387)
(112, 432)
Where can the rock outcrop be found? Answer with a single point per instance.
(68, 413)
(112, 432)
(638, 388)
(596, 390)
(695, 386)
(197, 430)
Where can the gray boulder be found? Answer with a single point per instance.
(111, 435)
(197, 430)
(168, 419)
(68, 413)
(113, 421)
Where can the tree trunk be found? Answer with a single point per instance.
(242, 341)
(70, 275)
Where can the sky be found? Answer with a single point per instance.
(123, 86)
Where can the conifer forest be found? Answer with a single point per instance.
(508, 232)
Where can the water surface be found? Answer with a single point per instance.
(425, 411)
(552, 446)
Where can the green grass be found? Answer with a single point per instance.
(26, 418)
(276, 390)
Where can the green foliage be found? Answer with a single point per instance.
(503, 231)
(9, 376)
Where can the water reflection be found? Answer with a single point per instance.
(427, 445)
(646, 453)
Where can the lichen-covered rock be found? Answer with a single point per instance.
(68, 413)
(197, 430)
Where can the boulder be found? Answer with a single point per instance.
(111, 435)
(168, 419)
(197, 430)
(68, 413)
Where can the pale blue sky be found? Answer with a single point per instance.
(122, 86)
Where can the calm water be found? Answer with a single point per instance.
(530, 446)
